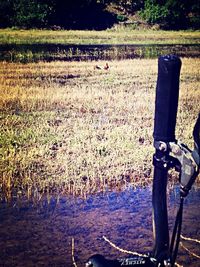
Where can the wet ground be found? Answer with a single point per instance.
(41, 234)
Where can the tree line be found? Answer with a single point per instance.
(96, 14)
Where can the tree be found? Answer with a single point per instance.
(32, 13)
(129, 6)
(6, 13)
(82, 14)
(154, 12)
(170, 14)
(93, 14)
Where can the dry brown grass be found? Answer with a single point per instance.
(66, 126)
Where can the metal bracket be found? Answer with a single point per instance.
(180, 157)
(189, 167)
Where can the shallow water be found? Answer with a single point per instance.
(41, 234)
(51, 52)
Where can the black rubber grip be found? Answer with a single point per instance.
(167, 92)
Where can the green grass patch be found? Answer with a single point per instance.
(113, 36)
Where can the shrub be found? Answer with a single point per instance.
(153, 12)
(29, 14)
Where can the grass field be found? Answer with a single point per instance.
(68, 127)
(112, 36)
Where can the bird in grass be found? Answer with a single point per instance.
(106, 67)
(97, 67)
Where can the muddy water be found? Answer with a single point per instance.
(41, 234)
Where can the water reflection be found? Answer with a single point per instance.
(50, 52)
(40, 235)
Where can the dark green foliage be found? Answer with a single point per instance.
(195, 14)
(121, 18)
(25, 14)
(92, 14)
(153, 12)
(32, 13)
(172, 14)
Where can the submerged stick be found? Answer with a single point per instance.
(190, 239)
(73, 259)
(123, 250)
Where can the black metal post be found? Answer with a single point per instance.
(167, 92)
(159, 202)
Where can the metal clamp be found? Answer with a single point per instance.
(185, 161)
(189, 168)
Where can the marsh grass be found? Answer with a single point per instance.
(116, 43)
(54, 52)
(112, 36)
(69, 128)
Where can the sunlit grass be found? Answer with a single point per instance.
(68, 127)
(112, 36)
